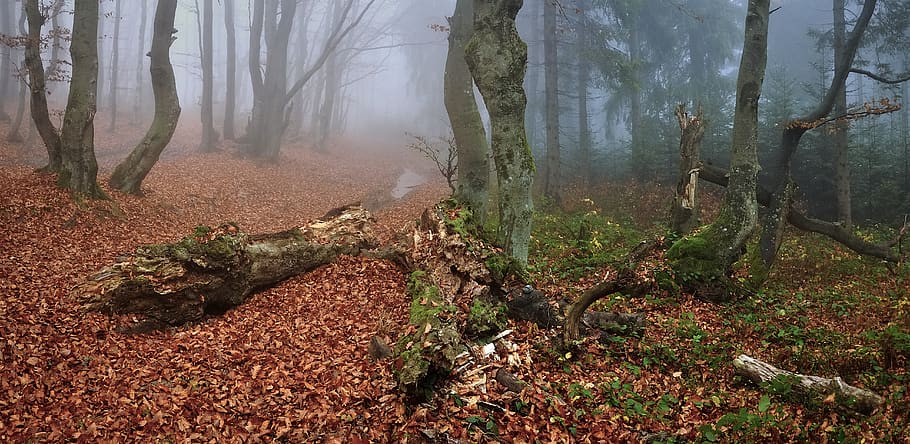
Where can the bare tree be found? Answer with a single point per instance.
(6, 70)
(38, 88)
(115, 64)
(551, 97)
(208, 123)
(140, 66)
(130, 173)
(230, 98)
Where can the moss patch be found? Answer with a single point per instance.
(486, 318)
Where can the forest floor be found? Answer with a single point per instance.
(291, 365)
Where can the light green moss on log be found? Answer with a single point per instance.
(486, 318)
(698, 267)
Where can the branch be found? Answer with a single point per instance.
(879, 78)
(798, 219)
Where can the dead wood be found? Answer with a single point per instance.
(836, 390)
(216, 269)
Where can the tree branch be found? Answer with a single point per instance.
(879, 78)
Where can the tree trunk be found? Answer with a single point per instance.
(551, 166)
(467, 126)
(79, 169)
(216, 269)
(703, 261)
(115, 65)
(640, 165)
(332, 89)
(818, 388)
(584, 77)
(231, 78)
(101, 51)
(686, 213)
(38, 88)
(841, 139)
(130, 173)
(208, 123)
(533, 76)
(138, 109)
(497, 57)
(14, 135)
(6, 72)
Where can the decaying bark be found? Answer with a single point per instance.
(685, 202)
(216, 269)
(845, 395)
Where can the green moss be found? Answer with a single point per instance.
(502, 267)
(485, 318)
(426, 301)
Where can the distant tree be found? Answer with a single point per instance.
(841, 137)
(38, 87)
(13, 135)
(582, 53)
(551, 164)
(497, 58)
(208, 79)
(271, 96)
(6, 67)
(230, 95)
(130, 173)
(138, 109)
(115, 65)
(461, 106)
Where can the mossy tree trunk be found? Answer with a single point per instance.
(467, 126)
(130, 173)
(497, 58)
(704, 260)
(38, 87)
(79, 169)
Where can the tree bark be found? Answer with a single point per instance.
(130, 173)
(6, 72)
(14, 135)
(686, 213)
(841, 139)
(835, 390)
(231, 78)
(138, 109)
(38, 88)
(79, 169)
(216, 269)
(208, 79)
(497, 58)
(332, 88)
(703, 261)
(467, 126)
(551, 167)
(115, 65)
(584, 77)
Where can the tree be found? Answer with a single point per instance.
(6, 71)
(13, 135)
(841, 145)
(551, 98)
(130, 173)
(38, 88)
(230, 94)
(140, 68)
(497, 58)
(584, 77)
(208, 126)
(461, 106)
(271, 97)
(704, 259)
(115, 65)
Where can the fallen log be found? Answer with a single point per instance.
(836, 390)
(215, 269)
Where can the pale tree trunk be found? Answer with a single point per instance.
(467, 126)
(79, 169)
(54, 72)
(13, 135)
(332, 87)
(584, 76)
(115, 65)
(704, 260)
(534, 109)
(497, 58)
(841, 138)
(6, 69)
(130, 173)
(38, 87)
(551, 84)
(640, 165)
(138, 111)
(101, 52)
(208, 123)
(230, 98)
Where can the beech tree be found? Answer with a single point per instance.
(115, 65)
(38, 87)
(551, 165)
(130, 173)
(461, 106)
(497, 58)
(208, 126)
(230, 94)
(6, 69)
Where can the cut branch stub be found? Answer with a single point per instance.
(845, 395)
(214, 270)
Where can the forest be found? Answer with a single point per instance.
(454, 221)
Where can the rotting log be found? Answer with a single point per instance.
(216, 269)
(845, 395)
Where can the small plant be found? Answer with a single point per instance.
(445, 159)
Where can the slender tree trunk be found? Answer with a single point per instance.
(704, 260)
(6, 71)
(130, 173)
(332, 85)
(532, 82)
(551, 84)
(467, 125)
(208, 79)
(115, 64)
(841, 126)
(230, 98)
(497, 58)
(584, 76)
(640, 164)
(14, 135)
(38, 88)
(79, 169)
(101, 52)
(138, 110)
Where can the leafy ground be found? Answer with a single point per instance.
(291, 365)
